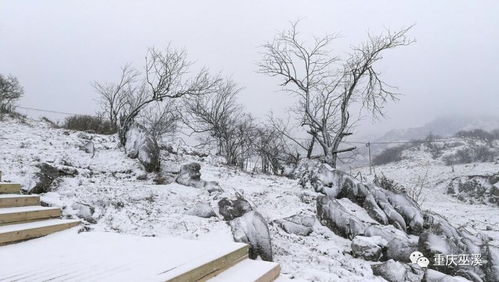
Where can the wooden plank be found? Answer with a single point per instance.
(14, 200)
(17, 214)
(270, 275)
(28, 231)
(10, 188)
(250, 271)
(212, 268)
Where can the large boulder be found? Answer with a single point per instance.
(142, 146)
(341, 220)
(47, 176)
(394, 271)
(252, 229)
(441, 239)
(384, 206)
(399, 245)
(492, 263)
(231, 209)
(368, 248)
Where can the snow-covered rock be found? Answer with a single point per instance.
(368, 248)
(190, 175)
(47, 174)
(141, 145)
(382, 205)
(394, 271)
(252, 229)
(201, 209)
(492, 265)
(340, 220)
(401, 249)
(441, 238)
(84, 211)
(297, 224)
(88, 147)
(436, 276)
(231, 209)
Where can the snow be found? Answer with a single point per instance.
(24, 209)
(123, 204)
(245, 271)
(34, 224)
(13, 196)
(105, 256)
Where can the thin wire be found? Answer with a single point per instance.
(50, 111)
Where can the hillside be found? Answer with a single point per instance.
(111, 192)
(443, 126)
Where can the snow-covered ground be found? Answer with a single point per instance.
(123, 204)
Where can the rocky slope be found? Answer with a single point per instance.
(113, 193)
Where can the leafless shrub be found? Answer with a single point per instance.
(388, 184)
(470, 154)
(416, 192)
(273, 151)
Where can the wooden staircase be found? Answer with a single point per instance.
(230, 266)
(22, 217)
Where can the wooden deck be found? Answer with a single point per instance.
(101, 256)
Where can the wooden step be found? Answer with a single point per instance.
(204, 269)
(22, 231)
(10, 188)
(18, 214)
(250, 271)
(16, 200)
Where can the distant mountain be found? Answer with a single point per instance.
(444, 126)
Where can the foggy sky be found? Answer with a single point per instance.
(56, 48)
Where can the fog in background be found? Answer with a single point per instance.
(57, 48)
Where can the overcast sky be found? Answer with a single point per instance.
(56, 48)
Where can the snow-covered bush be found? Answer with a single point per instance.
(471, 154)
(388, 184)
(478, 134)
(89, 124)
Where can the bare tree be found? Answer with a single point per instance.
(328, 86)
(113, 96)
(164, 78)
(220, 117)
(10, 92)
(161, 120)
(214, 113)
